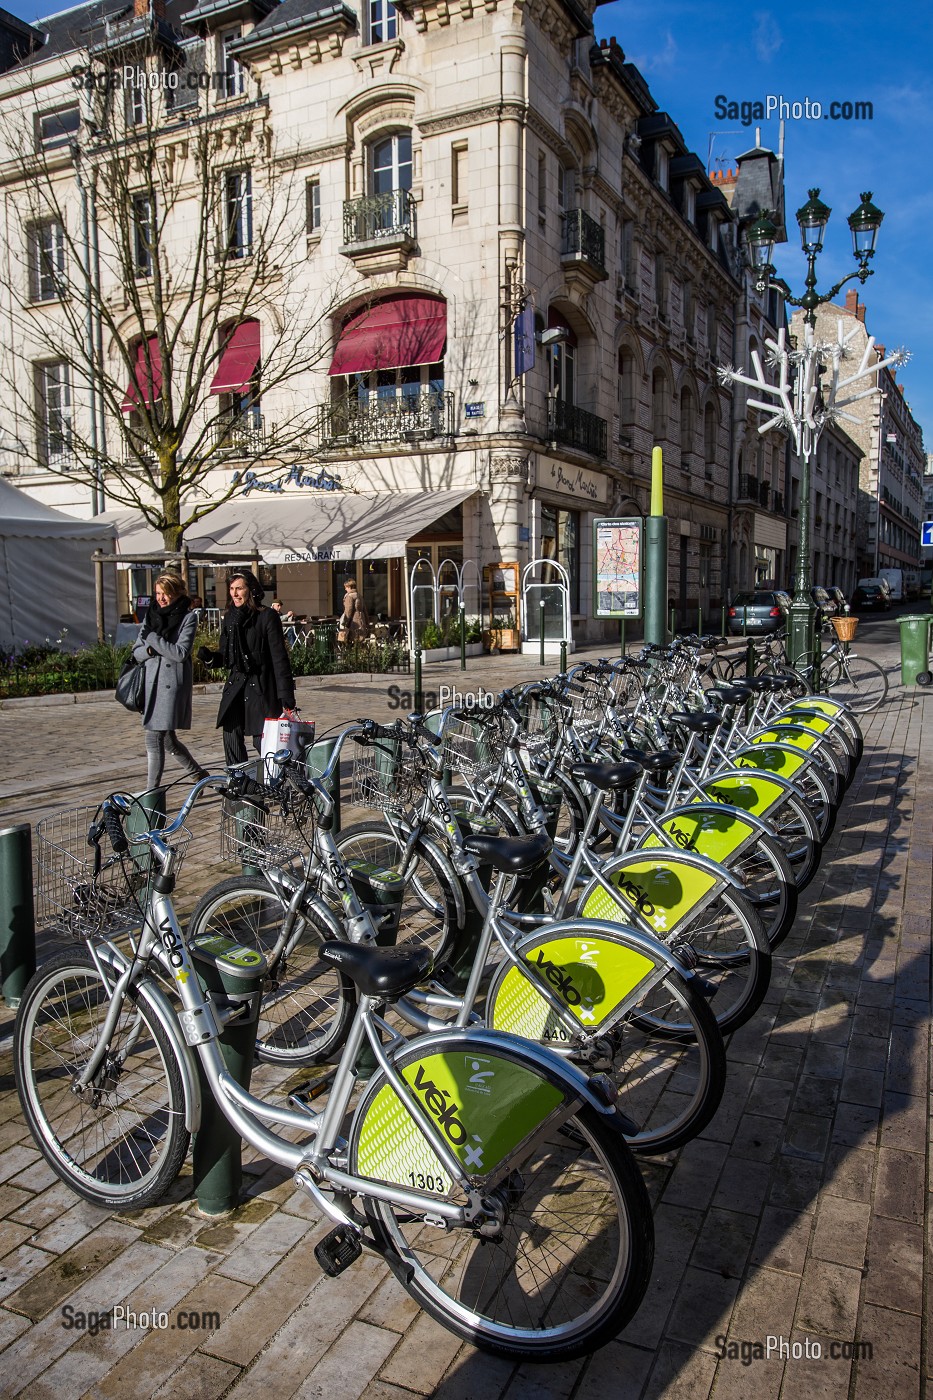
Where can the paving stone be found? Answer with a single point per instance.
(344, 1372)
(757, 1139)
(829, 1297)
(769, 1096)
(824, 1061)
(200, 1378)
(617, 1369)
(471, 1374)
(422, 1357)
(702, 1307)
(766, 1295)
(894, 1369)
(894, 1277)
(841, 1232)
(795, 1183)
(816, 1374)
(693, 1180)
(856, 1124)
(782, 1240)
(743, 1185)
(904, 1122)
(850, 1172)
(899, 1189)
(53, 1284)
(253, 1259)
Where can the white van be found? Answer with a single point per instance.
(894, 578)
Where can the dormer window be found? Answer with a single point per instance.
(662, 167)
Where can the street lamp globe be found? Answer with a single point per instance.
(864, 223)
(812, 219)
(760, 240)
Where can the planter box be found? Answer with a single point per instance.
(450, 653)
(501, 639)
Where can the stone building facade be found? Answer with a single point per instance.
(464, 177)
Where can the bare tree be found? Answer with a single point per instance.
(165, 240)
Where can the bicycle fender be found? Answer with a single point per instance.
(664, 886)
(744, 776)
(743, 828)
(157, 1001)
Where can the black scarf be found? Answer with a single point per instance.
(165, 620)
(238, 656)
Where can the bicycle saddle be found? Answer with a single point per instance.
(513, 855)
(608, 777)
(756, 684)
(701, 721)
(379, 972)
(776, 682)
(659, 761)
(732, 694)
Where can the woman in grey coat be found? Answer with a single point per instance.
(164, 647)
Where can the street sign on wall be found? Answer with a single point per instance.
(926, 534)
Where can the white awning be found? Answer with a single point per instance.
(324, 527)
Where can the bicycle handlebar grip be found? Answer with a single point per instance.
(114, 828)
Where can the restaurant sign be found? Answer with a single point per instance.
(318, 481)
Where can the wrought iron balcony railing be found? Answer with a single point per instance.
(412, 419)
(243, 436)
(584, 237)
(379, 216)
(574, 427)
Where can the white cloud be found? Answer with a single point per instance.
(659, 59)
(768, 37)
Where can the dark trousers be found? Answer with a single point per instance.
(235, 745)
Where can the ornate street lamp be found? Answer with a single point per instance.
(800, 403)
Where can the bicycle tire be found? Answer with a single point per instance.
(568, 1269)
(858, 682)
(770, 885)
(307, 1003)
(119, 1143)
(429, 906)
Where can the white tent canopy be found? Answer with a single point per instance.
(46, 574)
(319, 527)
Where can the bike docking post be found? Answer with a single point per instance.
(317, 758)
(621, 638)
(17, 912)
(462, 637)
(233, 975)
(419, 693)
(656, 557)
(541, 628)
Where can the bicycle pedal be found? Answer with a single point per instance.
(338, 1250)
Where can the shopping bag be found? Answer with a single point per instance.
(130, 689)
(296, 735)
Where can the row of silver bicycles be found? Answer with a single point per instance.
(516, 969)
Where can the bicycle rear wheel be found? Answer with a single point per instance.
(566, 1270)
(429, 906)
(120, 1141)
(732, 953)
(306, 1003)
(856, 681)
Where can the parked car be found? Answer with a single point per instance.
(821, 597)
(871, 596)
(756, 613)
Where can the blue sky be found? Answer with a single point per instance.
(690, 54)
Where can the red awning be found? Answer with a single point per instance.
(140, 389)
(399, 331)
(238, 361)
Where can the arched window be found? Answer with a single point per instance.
(387, 373)
(687, 424)
(626, 389)
(660, 406)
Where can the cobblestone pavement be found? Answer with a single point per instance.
(799, 1216)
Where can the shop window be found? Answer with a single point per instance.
(560, 540)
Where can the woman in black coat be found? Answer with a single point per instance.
(260, 684)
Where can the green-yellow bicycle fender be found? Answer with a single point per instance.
(818, 723)
(659, 893)
(798, 735)
(782, 759)
(820, 702)
(753, 792)
(591, 976)
(483, 1101)
(720, 833)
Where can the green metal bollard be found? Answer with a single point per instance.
(463, 639)
(232, 974)
(563, 656)
(722, 629)
(621, 637)
(17, 912)
(673, 621)
(699, 619)
(541, 607)
(419, 693)
(316, 760)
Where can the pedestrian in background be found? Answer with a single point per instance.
(259, 683)
(353, 622)
(163, 647)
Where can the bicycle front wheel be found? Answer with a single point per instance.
(120, 1140)
(733, 954)
(306, 1003)
(429, 907)
(566, 1270)
(857, 682)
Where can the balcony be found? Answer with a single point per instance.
(413, 420)
(574, 427)
(379, 231)
(582, 250)
(243, 436)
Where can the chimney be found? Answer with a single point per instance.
(143, 9)
(852, 301)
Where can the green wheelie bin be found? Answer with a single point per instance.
(915, 647)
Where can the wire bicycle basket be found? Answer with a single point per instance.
(472, 747)
(86, 892)
(382, 781)
(844, 628)
(267, 830)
